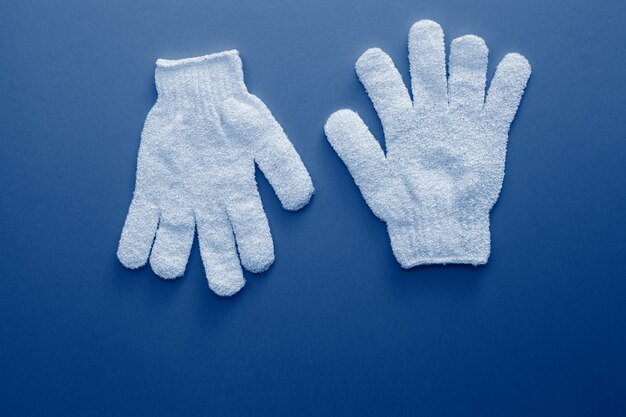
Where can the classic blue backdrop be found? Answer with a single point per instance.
(335, 327)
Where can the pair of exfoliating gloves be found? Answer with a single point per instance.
(434, 187)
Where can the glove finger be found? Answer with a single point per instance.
(506, 90)
(468, 72)
(363, 156)
(252, 231)
(138, 233)
(252, 123)
(386, 89)
(427, 58)
(219, 255)
(173, 242)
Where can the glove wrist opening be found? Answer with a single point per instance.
(215, 75)
(441, 241)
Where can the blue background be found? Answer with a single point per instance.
(335, 327)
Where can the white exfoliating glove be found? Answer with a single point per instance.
(446, 148)
(196, 168)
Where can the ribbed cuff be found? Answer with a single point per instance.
(441, 241)
(217, 75)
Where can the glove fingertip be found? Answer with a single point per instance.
(469, 47)
(300, 197)
(259, 264)
(165, 268)
(225, 288)
(368, 55)
(374, 60)
(517, 63)
(130, 258)
(425, 26)
(340, 122)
